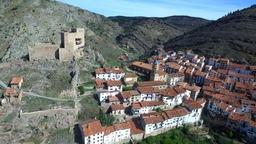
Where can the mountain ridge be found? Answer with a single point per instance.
(232, 36)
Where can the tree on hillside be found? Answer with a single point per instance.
(105, 119)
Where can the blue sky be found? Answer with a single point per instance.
(208, 9)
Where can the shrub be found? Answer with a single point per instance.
(81, 89)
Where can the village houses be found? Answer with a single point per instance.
(176, 80)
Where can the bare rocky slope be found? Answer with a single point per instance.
(232, 36)
(25, 22)
(144, 33)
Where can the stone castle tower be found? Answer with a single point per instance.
(154, 76)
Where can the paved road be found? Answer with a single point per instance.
(3, 84)
(36, 95)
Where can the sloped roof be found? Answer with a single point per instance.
(91, 127)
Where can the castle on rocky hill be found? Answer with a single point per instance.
(72, 45)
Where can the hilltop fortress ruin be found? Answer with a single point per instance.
(72, 45)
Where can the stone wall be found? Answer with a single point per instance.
(43, 51)
(50, 113)
(70, 93)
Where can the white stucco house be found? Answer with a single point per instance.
(109, 73)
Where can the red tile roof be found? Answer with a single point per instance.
(201, 101)
(91, 127)
(194, 105)
(137, 105)
(151, 83)
(244, 85)
(132, 75)
(16, 80)
(223, 106)
(11, 92)
(176, 74)
(113, 98)
(114, 83)
(121, 126)
(146, 89)
(236, 117)
(192, 88)
(153, 120)
(100, 83)
(128, 94)
(108, 130)
(234, 65)
(115, 107)
(151, 103)
(170, 92)
(108, 70)
(142, 65)
(179, 90)
(135, 126)
(176, 112)
(222, 71)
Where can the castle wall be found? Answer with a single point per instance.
(65, 54)
(43, 51)
(69, 47)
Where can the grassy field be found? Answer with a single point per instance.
(182, 135)
(9, 118)
(89, 108)
(60, 81)
(38, 104)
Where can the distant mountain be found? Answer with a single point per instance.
(232, 36)
(143, 32)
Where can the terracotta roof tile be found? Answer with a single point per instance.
(170, 92)
(132, 75)
(222, 71)
(16, 80)
(151, 83)
(100, 83)
(194, 105)
(236, 117)
(115, 107)
(151, 103)
(128, 94)
(234, 65)
(143, 65)
(137, 105)
(91, 127)
(223, 106)
(176, 112)
(121, 126)
(113, 98)
(179, 90)
(114, 83)
(176, 74)
(135, 126)
(153, 120)
(108, 70)
(146, 89)
(201, 101)
(108, 130)
(11, 92)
